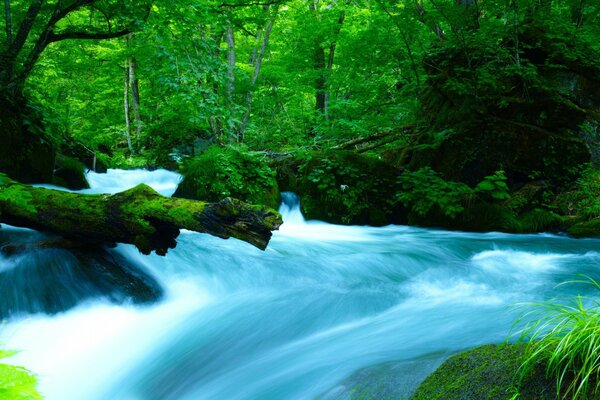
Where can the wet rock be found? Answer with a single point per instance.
(51, 280)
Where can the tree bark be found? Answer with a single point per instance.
(229, 37)
(8, 23)
(134, 86)
(138, 216)
(257, 61)
(126, 109)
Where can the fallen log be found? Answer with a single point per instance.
(139, 216)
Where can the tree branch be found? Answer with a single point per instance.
(257, 3)
(64, 35)
(24, 29)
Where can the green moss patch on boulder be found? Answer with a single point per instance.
(486, 373)
(342, 186)
(69, 173)
(229, 172)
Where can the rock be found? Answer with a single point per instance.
(486, 373)
(229, 172)
(582, 229)
(69, 173)
(342, 187)
(53, 280)
(525, 120)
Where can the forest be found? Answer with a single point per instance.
(462, 115)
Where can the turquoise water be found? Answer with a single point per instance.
(304, 319)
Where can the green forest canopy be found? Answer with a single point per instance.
(276, 74)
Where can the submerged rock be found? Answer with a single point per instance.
(53, 280)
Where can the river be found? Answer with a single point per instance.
(325, 312)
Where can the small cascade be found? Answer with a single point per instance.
(290, 209)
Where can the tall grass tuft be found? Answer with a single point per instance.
(566, 338)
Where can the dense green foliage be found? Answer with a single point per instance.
(341, 186)
(229, 172)
(424, 189)
(16, 383)
(467, 115)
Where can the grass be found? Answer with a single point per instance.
(566, 338)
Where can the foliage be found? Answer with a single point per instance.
(424, 189)
(229, 172)
(494, 185)
(587, 196)
(566, 336)
(538, 220)
(16, 383)
(343, 187)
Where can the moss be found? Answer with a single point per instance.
(229, 172)
(140, 216)
(341, 186)
(485, 373)
(69, 173)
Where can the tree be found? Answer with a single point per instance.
(30, 30)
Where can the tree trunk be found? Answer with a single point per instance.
(126, 109)
(330, 58)
(258, 58)
(138, 216)
(8, 23)
(134, 85)
(229, 37)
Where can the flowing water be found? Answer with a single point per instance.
(324, 311)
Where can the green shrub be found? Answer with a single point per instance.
(494, 185)
(538, 220)
(424, 189)
(16, 383)
(566, 337)
(342, 187)
(229, 172)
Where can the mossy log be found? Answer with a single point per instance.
(138, 216)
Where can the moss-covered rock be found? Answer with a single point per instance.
(25, 153)
(229, 172)
(342, 187)
(486, 373)
(69, 173)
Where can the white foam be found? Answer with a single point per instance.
(76, 354)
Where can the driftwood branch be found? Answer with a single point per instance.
(139, 216)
